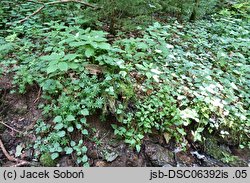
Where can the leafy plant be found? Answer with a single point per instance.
(176, 79)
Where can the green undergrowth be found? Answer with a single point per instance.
(179, 80)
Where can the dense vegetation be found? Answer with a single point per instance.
(178, 68)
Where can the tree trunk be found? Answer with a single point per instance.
(193, 16)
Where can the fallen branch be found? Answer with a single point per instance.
(11, 158)
(34, 13)
(52, 3)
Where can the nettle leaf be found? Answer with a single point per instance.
(70, 57)
(104, 46)
(78, 126)
(89, 52)
(51, 68)
(53, 62)
(77, 44)
(142, 45)
(63, 66)
(6, 46)
(141, 67)
(52, 56)
(73, 65)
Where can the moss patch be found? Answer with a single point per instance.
(47, 161)
(212, 148)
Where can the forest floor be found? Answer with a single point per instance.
(19, 113)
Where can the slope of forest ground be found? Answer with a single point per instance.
(168, 94)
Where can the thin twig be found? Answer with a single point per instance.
(23, 163)
(38, 96)
(9, 157)
(34, 13)
(55, 2)
(28, 135)
(11, 127)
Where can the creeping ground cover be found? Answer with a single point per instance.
(188, 82)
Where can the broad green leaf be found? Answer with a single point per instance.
(84, 149)
(89, 52)
(7, 46)
(58, 126)
(141, 67)
(63, 66)
(54, 155)
(70, 57)
(197, 136)
(138, 147)
(73, 65)
(123, 73)
(70, 118)
(86, 165)
(83, 120)
(52, 56)
(19, 149)
(68, 150)
(78, 126)
(104, 46)
(142, 45)
(70, 129)
(57, 119)
(72, 143)
(56, 145)
(53, 62)
(11, 38)
(52, 68)
(84, 159)
(85, 112)
(181, 131)
(77, 44)
(85, 132)
(190, 114)
(61, 133)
